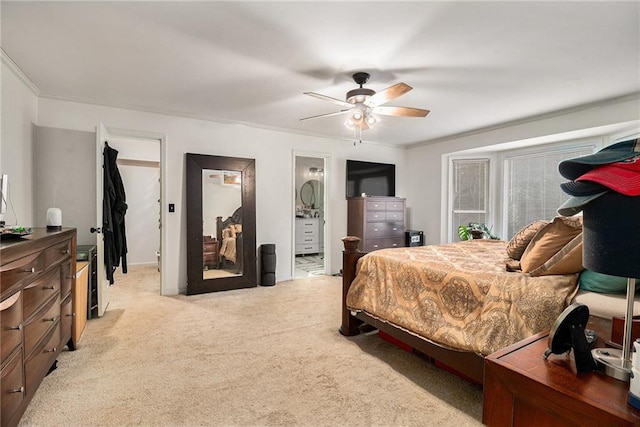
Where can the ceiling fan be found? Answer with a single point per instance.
(363, 104)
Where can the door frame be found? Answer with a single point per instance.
(162, 138)
(326, 157)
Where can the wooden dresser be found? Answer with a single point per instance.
(378, 221)
(37, 278)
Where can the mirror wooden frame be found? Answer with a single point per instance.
(195, 164)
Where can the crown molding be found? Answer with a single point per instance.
(6, 59)
(203, 117)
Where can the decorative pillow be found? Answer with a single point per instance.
(520, 241)
(603, 283)
(567, 260)
(549, 240)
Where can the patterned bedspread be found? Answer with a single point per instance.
(459, 294)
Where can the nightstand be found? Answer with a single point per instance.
(521, 388)
(209, 253)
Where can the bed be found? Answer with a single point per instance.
(457, 302)
(229, 234)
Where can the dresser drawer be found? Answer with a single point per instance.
(376, 230)
(56, 253)
(375, 244)
(395, 216)
(395, 206)
(66, 279)
(11, 386)
(376, 206)
(307, 249)
(39, 363)
(305, 233)
(376, 216)
(43, 288)
(21, 270)
(45, 319)
(11, 325)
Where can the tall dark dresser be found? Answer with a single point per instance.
(378, 221)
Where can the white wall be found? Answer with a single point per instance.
(218, 200)
(64, 176)
(138, 163)
(142, 189)
(272, 151)
(425, 163)
(19, 113)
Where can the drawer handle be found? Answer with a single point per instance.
(16, 328)
(395, 244)
(375, 246)
(51, 350)
(50, 319)
(49, 288)
(29, 270)
(395, 228)
(64, 251)
(18, 390)
(71, 315)
(375, 229)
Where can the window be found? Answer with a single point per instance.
(532, 186)
(470, 193)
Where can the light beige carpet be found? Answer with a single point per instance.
(263, 356)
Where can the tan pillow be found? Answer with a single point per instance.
(567, 260)
(549, 240)
(520, 241)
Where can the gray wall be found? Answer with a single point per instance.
(64, 176)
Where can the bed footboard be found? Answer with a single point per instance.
(466, 363)
(350, 257)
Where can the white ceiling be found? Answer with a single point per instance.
(473, 64)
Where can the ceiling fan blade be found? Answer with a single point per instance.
(386, 95)
(401, 111)
(330, 99)
(326, 114)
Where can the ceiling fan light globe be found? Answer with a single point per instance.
(371, 120)
(350, 124)
(357, 115)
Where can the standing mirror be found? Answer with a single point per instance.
(221, 236)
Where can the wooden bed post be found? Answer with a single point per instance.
(350, 257)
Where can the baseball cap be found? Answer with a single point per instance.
(582, 188)
(574, 168)
(622, 177)
(576, 203)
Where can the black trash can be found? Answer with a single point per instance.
(268, 264)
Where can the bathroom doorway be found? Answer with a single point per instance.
(310, 215)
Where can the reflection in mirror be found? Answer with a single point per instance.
(221, 223)
(311, 194)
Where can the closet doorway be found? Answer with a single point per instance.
(310, 215)
(139, 163)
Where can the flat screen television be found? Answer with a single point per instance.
(372, 179)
